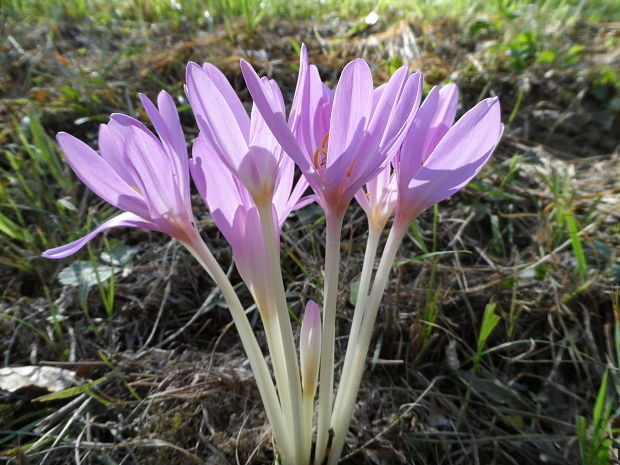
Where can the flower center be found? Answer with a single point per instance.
(322, 151)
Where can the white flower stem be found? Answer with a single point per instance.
(342, 420)
(308, 400)
(276, 350)
(326, 371)
(267, 390)
(374, 234)
(288, 343)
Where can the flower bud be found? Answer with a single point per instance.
(310, 347)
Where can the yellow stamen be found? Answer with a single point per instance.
(324, 143)
(135, 188)
(323, 151)
(351, 168)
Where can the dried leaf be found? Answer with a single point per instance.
(50, 378)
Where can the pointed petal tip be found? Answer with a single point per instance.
(48, 254)
(418, 76)
(62, 135)
(192, 64)
(247, 70)
(492, 101)
(312, 306)
(145, 100)
(191, 68)
(120, 117)
(58, 252)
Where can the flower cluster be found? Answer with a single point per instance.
(394, 153)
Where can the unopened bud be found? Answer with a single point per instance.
(310, 347)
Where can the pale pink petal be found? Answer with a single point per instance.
(154, 169)
(217, 186)
(285, 205)
(229, 94)
(214, 116)
(431, 123)
(402, 114)
(350, 116)
(99, 176)
(168, 126)
(249, 252)
(444, 117)
(400, 117)
(362, 200)
(458, 157)
(125, 219)
(411, 155)
(274, 116)
(298, 100)
(388, 98)
(258, 171)
(284, 183)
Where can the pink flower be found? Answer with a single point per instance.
(378, 198)
(146, 176)
(342, 140)
(236, 215)
(437, 159)
(245, 144)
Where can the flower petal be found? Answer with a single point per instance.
(99, 176)
(350, 113)
(458, 157)
(387, 99)
(155, 170)
(112, 146)
(402, 114)
(229, 94)
(168, 126)
(404, 104)
(411, 154)
(297, 106)
(125, 219)
(275, 118)
(431, 123)
(215, 117)
(217, 186)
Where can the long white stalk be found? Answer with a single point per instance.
(345, 409)
(374, 234)
(288, 342)
(330, 294)
(308, 407)
(273, 335)
(267, 390)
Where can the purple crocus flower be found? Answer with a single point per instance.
(236, 215)
(245, 144)
(339, 141)
(146, 176)
(437, 159)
